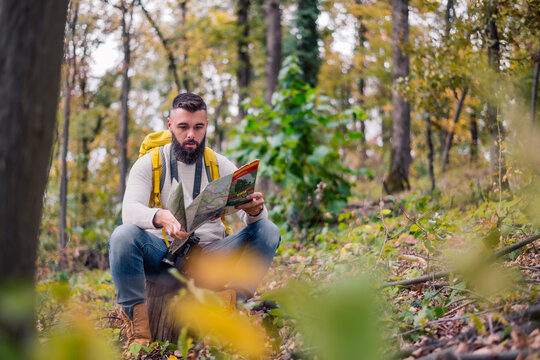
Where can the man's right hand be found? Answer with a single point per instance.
(165, 219)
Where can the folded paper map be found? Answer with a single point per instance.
(220, 197)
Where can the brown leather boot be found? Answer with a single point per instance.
(138, 329)
(228, 298)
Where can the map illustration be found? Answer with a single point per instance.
(220, 197)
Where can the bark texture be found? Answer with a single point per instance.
(398, 176)
(163, 324)
(243, 71)
(473, 125)
(430, 153)
(534, 93)
(71, 71)
(495, 126)
(31, 42)
(126, 21)
(273, 47)
(362, 38)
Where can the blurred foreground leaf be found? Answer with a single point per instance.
(340, 321)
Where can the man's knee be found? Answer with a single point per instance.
(123, 237)
(271, 234)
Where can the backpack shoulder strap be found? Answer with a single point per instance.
(156, 177)
(211, 163)
(212, 167)
(158, 174)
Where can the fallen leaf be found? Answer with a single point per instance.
(519, 338)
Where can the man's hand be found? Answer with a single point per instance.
(255, 206)
(165, 218)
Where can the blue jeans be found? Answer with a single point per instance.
(135, 256)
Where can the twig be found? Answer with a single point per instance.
(532, 268)
(441, 274)
(417, 222)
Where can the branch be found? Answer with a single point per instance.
(165, 43)
(509, 355)
(437, 275)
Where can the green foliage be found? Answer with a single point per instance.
(298, 142)
(338, 321)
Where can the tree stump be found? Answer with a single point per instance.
(163, 323)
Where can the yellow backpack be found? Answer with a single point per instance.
(153, 143)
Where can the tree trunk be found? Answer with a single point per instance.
(244, 63)
(449, 16)
(398, 176)
(127, 10)
(62, 236)
(430, 154)
(361, 82)
(163, 324)
(308, 37)
(474, 137)
(534, 92)
(71, 71)
(495, 126)
(450, 137)
(31, 42)
(273, 47)
(184, 47)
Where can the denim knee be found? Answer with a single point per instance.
(272, 235)
(123, 238)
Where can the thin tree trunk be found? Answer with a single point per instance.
(165, 43)
(495, 126)
(184, 47)
(273, 47)
(448, 16)
(398, 176)
(535, 86)
(430, 154)
(127, 10)
(71, 73)
(474, 138)
(362, 30)
(450, 137)
(62, 239)
(244, 63)
(31, 51)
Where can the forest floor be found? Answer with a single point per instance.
(334, 296)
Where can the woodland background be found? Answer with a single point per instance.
(397, 139)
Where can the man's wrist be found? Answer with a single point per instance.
(257, 214)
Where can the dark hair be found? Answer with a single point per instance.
(189, 102)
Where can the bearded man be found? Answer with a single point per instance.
(137, 247)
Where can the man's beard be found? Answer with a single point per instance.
(186, 155)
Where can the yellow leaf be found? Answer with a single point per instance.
(478, 323)
(343, 253)
(223, 327)
(386, 211)
(499, 318)
(172, 357)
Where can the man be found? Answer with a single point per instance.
(137, 247)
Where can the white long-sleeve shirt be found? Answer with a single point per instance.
(135, 209)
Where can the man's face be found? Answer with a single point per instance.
(188, 131)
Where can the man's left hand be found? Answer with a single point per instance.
(255, 206)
